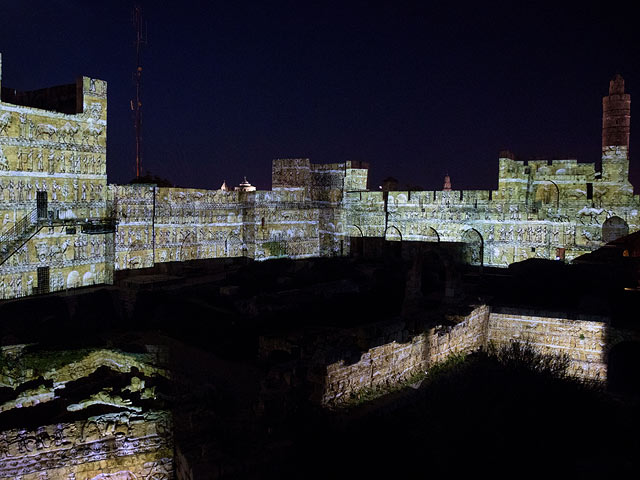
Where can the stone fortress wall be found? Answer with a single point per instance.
(301, 217)
(63, 153)
(556, 209)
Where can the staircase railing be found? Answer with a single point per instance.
(20, 232)
(15, 236)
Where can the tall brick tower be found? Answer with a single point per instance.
(616, 123)
(616, 115)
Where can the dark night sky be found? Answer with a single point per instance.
(414, 89)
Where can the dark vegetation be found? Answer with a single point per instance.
(500, 412)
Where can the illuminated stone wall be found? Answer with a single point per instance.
(393, 362)
(62, 154)
(556, 209)
(132, 441)
(134, 209)
(583, 340)
(527, 217)
(301, 217)
(552, 209)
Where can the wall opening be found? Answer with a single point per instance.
(614, 228)
(43, 280)
(474, 247)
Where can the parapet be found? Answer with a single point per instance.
(68, 99)
(61, 98)
(290, 173)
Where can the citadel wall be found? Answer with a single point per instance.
(301, 217)
(61, 155)
(556, 209)
(552, 209)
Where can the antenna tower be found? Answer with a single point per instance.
(137, 106)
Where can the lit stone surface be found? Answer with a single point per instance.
(551, 209)
(540, 210)
(131, 442)
(389, 364)
(62, 154)
(294, 220)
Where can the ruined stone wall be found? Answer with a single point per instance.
(101, 447)
(583, 340)
(132, 440)
(62, 154)
(394, 361)
(469, 333)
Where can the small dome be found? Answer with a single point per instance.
(245, 186)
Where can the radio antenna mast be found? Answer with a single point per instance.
(137, 106)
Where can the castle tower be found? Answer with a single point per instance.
(616, 115)
(616, 123)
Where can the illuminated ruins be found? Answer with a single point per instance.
(133, 437)
(64, 227)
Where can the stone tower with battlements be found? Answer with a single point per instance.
(616, 126)
(616, 115)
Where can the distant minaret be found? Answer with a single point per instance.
(447, 184)
(616, 122)
(616, 115)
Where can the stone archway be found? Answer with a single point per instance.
(431, 235)
(614, 228)
(393, 234)
(474, 247)
(433, 274)
(356, 241)
(355, 231)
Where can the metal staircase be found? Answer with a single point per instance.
(12, 239)
(16, 236)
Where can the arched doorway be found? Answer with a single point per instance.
(431, 235)
(474, 246)
(393, 234)
(356, 241)
(614, 228)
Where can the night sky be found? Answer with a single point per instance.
(416, 90)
